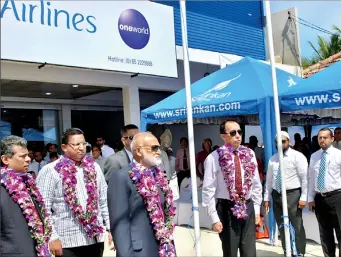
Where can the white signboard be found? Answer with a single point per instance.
(126, 36)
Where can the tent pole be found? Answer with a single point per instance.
(194, 186)
(278, 125)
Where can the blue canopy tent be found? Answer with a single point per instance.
(242, 88)
(321, 90)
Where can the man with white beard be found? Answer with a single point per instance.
(141, 205)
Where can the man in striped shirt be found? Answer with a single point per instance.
(75, 190)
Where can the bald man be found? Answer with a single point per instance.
(130, 222)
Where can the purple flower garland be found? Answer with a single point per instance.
(227, 167)
(67, 171)
(147, 182)
(21, 193)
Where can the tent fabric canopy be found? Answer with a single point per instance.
(237, 89)
(321, 90)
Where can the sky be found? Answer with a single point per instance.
(324, 14)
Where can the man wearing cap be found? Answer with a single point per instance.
(296, 182)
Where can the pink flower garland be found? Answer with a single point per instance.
(21, 194)
(67, 171)
(227, 167)
(147, 182)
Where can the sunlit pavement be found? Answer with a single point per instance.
(211, 245)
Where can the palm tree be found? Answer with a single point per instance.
(337, 30)
(325, 48)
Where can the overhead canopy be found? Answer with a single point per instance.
(321, 90)
(238, 89)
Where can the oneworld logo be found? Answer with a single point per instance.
(134, 29)
(214, 93)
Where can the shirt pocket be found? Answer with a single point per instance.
(275, 170)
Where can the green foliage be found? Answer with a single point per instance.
(324, 49)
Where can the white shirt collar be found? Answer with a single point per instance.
(130, 155)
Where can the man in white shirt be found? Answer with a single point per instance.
(74, 188)
(106, 150)
(38, 163)
(51, 148)
(232, 179)
(324, 193)
(337, 138)
(296, 182)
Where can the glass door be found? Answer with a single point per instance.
(38, 126)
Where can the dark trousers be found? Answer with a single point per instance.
(183, 174)
(328, 214)
(237, 233)
(295, 217)
(95, 250)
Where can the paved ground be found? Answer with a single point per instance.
(211, 246)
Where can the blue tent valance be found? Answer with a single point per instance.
(322, 90)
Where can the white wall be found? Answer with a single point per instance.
(201, 131)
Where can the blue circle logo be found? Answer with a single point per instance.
(134, 29)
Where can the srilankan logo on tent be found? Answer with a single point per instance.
(291, 82)
(214, 93)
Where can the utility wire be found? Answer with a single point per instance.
(309, 24)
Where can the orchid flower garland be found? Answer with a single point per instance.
(21, 187)
(147, 182)
(227, 167)
(67, 171)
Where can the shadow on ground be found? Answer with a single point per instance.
(264, 253)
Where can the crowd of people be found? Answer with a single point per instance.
(69, 204)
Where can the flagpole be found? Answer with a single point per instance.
(278, 125)
(194, 186)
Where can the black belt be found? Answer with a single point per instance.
(330, 193)
(226, 201)
(288, 191)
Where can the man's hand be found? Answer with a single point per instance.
(312, 206)
(111, 243)
(218, 227)
(302, 204)
(267, 206)
(56, 248)
(257, 219)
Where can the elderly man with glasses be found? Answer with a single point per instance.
(74, 188)
(140, 202)
(122, 158)
(232, 192)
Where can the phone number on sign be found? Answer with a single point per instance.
(130, 61)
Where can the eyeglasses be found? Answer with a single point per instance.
(129, 137)
(234, 132)
(78, 145)
(153, 148)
